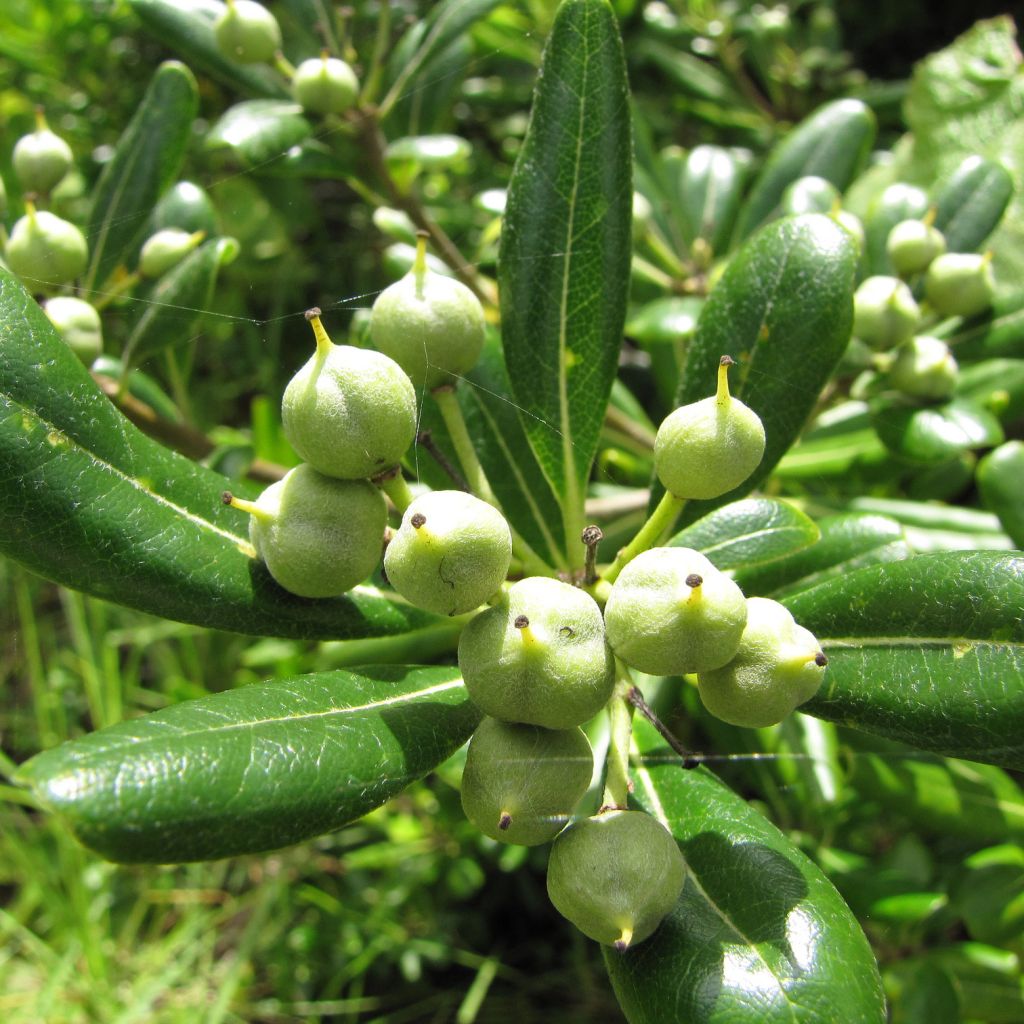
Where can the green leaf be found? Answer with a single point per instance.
(176, 304)
(256, 768)
(995, 384)
(848, 541)
(257, 131)
(186, 26)
(832, 143)
(709, 195)
(565, 248)
(929, 651)
(146, 160)
(971, 204)
(933, 433)
(998, 332)
(989, 893)
(88, 501)
(1001, 484)
(987, 981)
(759, 933)
(749, 532)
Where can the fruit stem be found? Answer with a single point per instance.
(660, 520)
(247, 506)
(419, 265)
(722, 397)
(620, 720)
(30, 209)
(395, 487)
(284, 65)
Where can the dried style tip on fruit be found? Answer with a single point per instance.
(431, 325)
(349, 412)
(78, 324)
(884, 312)
(671, 612)
(960, 283)
(45, 250)
(924, 367)
(325, 85)
(42, 158)
(521, 783)
(707, 448)
(319, 537)
(913, 244)
(165, 249)
(451, 553)
(779, 666)
(247, 32)
(616, 876)
(539, 656)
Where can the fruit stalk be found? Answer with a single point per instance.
(620, 717)
(660, 521)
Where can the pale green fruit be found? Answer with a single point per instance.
(913, 244)
(521, 783)
(78, 323)
(924, 367)
(851, 224)
(41, 159)
(616, 876)
(430, 324)
(247, 33)
(960, 283)
(451, 553)
(884, 312)
(325, 85)
(778, 666)
(539, 656)
(671, 612)
(349, 412)
(707, 448)
(809, 194)
(318, 536)
(165, 249)
(46, 250)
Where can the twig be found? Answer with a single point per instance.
(426, 440)
(635, 697)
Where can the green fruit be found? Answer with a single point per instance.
(810, 194)
(913, 244)
(671, 612)
(924, 367)
(615, 876)
(707, 448)
(521, 782)
(165, 249)
(41, 159)
(960, 283)
(185, 206)
(778, 666)
(451, 553)
(78, 323)
(247, 32)
(349, 412)
(318, 536)
(539, 656)
(325, 85)
(851, 224)
(884, 312)
(431, 325)
(46, 250)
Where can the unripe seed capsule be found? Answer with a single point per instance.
(46, 250)
(913, 244)
(960, 283)
(78, 324)
(325, 85)
(247, 32)
(165, 249)
(41, 159)
(884, 312)
(924, 367)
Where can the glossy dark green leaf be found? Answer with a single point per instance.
(186, 26)
(146, 160)
(989, 893)
(934, 433)
(187, 206)
(1001, 484)
(971, 204)
(832, 143)
(710, 188)
(565, 247)
(921, 991)
(848, 541)
(783, 309)
(995, 384)
(998, 332)
(690, 75)
(88, 501)
(987, 981)
(256, 768)
(664, 321)
(896, 203)
(759, 933)
(749, 532)
(257, 131)
(928, 651)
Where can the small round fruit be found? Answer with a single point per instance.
(78, 323)
(707, 448)
(431, 325)
(539, 656)
(616, 876)
(349, 412)
(247, 32)
(960, 283)
(913, 244)
(166, 249)
(46, 250)
(809, 194)
(451, 553)
(186, 206)
(852, 225)
(325, 85)
(884, 312)
(924, 367)
(522, 783)
(318, 536)
(42, 158)
(671, 612)
(778, 666)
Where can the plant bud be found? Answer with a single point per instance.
(451, 553)
(615, 876)
(318, 536)
(924, 367)
(41, 159)
(539, 656)
(671, 612)
(960, 283)
(78, 324)
(325, 85)
(913, 244)
(46, 250)
(247, 32)
(522, 783)
(884, 312)
(165, 249)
